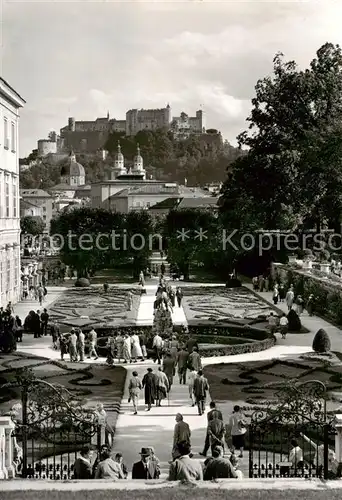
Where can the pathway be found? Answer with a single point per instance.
(312, 323)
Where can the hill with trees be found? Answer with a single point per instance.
(199, 159)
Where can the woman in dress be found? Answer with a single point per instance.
(127, 349)
(275, 295)
(173, 346)
(136, 348)
(119, 346)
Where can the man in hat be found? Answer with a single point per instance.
(145, 468)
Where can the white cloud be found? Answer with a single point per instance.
(119, 55)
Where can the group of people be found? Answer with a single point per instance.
(10, 329)
(182, 466)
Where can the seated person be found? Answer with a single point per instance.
(82, 465)
(109, 468)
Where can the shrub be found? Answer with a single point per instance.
(82, 282)
(233, 283)
(295, 324)
(321, 341)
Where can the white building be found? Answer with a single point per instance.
(10, 103)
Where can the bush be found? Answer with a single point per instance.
(82, 282)
(321, 341)
(295, 324)
(233, 283)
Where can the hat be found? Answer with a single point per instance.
(145, 452)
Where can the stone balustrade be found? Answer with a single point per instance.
(7, 470)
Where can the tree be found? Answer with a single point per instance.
(88, 243)
(294, 144)
(32, 225)
(139, 230)
(192, 236)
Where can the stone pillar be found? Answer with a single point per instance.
(7, 426)
(338, 437)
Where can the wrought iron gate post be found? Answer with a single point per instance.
(24, 400)
(326, 452)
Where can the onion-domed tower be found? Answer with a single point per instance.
(72, 172)
(138, 164)
(119, 164)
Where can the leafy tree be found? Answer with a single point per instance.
(192, 248)
(294, 144)
(138, 226)
(32, 225)
(87, 244)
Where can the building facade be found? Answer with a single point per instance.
(10, 104)
(38, 198)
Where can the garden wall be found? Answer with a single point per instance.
(326, 290)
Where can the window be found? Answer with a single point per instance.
(15, 198)
(7, 196)
(13, 138)
(6, 144)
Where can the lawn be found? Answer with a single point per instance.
(179, 493)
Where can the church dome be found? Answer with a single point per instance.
(71, 168)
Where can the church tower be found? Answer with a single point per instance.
(138, 165)
(119, 164)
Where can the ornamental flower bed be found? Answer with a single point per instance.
(218, 304)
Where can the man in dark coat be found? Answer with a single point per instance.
(82, 465)
(182, 364)
(150, 386)
(145, 468)
(169, 367)
(211, 415)
(201, 387)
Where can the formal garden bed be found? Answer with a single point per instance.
(220, 304)
(91, 384)
(79, 307)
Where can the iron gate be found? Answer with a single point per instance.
(51, 431)
(291, 436)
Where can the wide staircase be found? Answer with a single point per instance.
(156, 260)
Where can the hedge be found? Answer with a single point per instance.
(327, 293)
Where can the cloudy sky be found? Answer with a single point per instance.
(83, 58)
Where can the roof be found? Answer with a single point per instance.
(144, 190)
(71, 168)
(63, 186)
(198, 202)
(168, 204)
(34, 193)
(24, 204)
(18, 100)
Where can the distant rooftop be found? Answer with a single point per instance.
(34, 193)
(12, 89)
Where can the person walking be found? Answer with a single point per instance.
(290, 298)
(191, 378)
(134, 388)
(212, 414)
(162, 386)
(275, 295)
(310, 304)
(44, 318)
(55, 332)
(127, 349)
(136, 348)
(238, 430)
(80, 344)
(194, 360)
(73, 346)
(119, 346)
(182, 364)
(201, 387)
(92, 344)
(142, 339)
(40, 293)
(157, 346)
(179, 296)
(181, 433)
(149, 385)
(299, 305)
(169, 367)
(283, 325)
